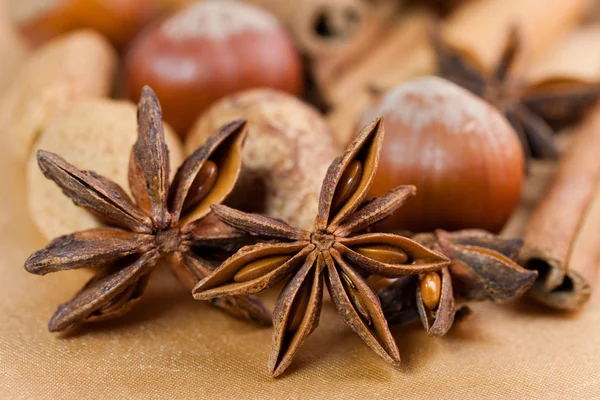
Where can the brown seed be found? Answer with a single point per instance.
(260, 267)
(299, 307)
(205, 180)
(384, 253)
(355, 298)
(431, 289)
(347, 185)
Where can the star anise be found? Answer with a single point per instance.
(333, 252)
(482, 268)
(166, 222)
(532, 109)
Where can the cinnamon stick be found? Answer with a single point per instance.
(404, 53)
(322, 28)
(575, 56)
(482, 26)
(561, 238)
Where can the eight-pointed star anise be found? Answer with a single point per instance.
(533, 109)
(166, 221)
(334, 252)
(482, 268)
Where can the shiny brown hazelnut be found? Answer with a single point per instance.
(286, 154)
(117, 20)
(460, 152)
(207, 51)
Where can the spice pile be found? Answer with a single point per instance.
(297, 149)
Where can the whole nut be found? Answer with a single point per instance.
(56, 76)
(286, 155)
(117, 20)
(12, 48)
(93, 135)
(207, 51)
(462, 155)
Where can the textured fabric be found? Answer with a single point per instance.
(171, 346)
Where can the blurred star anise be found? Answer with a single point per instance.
(335, 252)
(482, 268)
(533, 109)
(166, 222)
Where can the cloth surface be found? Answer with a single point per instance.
(171, 346)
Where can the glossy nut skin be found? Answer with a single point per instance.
(461, 154)
(207, 51)
(117, 20)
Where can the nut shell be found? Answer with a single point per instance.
(462, 155)
(13, 49)
(208, 50)
(56, 76)
(117, 20)
(286, 155)
(93, 135)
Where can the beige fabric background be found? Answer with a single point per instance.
(174, 347)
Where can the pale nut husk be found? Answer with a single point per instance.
(286, 155)
(94, 135)
(12, 47)
(59, 74)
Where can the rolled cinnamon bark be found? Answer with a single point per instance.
(575, 56)
(323, 28)
(561, 238)
(402, 54)
(482, 26)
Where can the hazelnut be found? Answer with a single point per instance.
(286, 154)
(117, 20)
(209, 50)
(462, 155)
(93, 135)
(66, 70)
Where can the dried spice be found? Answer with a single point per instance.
(561, 236)
(534, 110)
(137, 235)
(482, 268)
(335, 252)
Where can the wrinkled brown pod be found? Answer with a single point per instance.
(481, 268)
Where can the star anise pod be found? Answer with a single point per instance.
(482, 268)
(334, 252)
(532, 109)
(166, 221)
